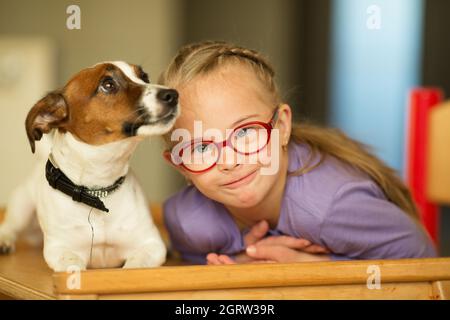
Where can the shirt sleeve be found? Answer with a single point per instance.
(178, 238)
(196, 229)
(363, 224)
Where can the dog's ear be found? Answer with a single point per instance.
(48, 113)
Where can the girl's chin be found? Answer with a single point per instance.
(246, 196)
(245, 199)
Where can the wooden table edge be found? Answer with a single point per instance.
(183, 278)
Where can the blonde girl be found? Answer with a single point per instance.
(329, 198)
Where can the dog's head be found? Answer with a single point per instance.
(107, 102)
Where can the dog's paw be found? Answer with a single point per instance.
(134, 263)
(69, 262)
(143, 260)
(7, 241)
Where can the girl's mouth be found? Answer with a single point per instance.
(241, 181)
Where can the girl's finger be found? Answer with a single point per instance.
(293, 243)
(224, 259)
(263, 261)
(314, 248)
(290, 242)
(256, 233)
(242, 258)
(273, 252)
(212, 259)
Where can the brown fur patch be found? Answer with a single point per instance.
(96, 117)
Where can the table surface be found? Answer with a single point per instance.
(25, 275)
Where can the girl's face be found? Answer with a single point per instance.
(222, 100)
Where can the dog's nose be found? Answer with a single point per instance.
(168, 96)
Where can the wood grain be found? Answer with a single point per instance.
(397, 291)
(25, 275)
(441, 290)
(116, 281)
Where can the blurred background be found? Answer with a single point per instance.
(343, 63)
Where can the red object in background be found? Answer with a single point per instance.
(421, 101)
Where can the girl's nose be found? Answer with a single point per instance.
(227, 160)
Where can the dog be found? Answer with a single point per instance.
(89, 205)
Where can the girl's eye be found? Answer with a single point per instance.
(243, 132)
(201, 148)
(108, 85)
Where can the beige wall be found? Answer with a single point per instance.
(27, 70)
(142, 32)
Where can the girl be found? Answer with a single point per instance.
(328, 199)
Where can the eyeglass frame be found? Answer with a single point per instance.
(269, 126)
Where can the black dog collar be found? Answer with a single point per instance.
(58, 180)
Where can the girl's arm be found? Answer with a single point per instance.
(196, 227)
(362, 224)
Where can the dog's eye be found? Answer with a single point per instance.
(142, 74)
(144, 77)
(108, 85)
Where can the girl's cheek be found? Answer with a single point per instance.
(203, 181)
(253, 159)
(269, 158)
(265, 156)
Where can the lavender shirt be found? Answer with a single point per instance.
(332, 205)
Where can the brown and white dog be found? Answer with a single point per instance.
(99, 117)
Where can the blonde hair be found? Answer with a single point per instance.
(201, 58)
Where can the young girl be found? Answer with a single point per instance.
(329, 198)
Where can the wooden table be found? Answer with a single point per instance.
(25, 275)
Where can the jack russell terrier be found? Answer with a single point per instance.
(90, 206)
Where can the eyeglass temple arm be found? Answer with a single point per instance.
(274, 119)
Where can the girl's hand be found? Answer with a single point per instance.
(266, 253)
(263, 250)
(283, 254)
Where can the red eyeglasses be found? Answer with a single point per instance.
(200, 155)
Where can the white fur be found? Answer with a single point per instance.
(148, 99)
(128, 71)
(125, 235)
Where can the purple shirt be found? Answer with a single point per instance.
(332, 205)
